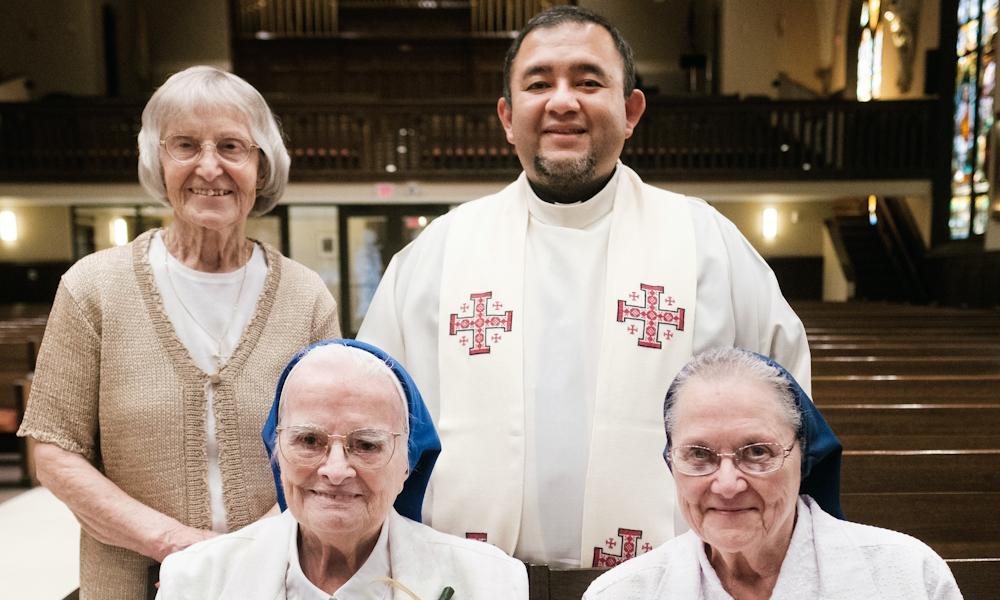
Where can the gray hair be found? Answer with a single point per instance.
(356, 363)
(723, 363)
(203, 87)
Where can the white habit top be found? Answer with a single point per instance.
(252, 564)
(827, 559)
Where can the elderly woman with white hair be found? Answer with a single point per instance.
(757, 471)
(353, 447)
(156, 368)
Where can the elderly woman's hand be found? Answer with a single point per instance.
(108, 513)
(179, 537)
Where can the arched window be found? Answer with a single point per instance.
(975, 78)
(870, 51)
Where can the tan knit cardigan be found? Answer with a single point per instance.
(114, 384)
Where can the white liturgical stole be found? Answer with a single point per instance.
(647, 324)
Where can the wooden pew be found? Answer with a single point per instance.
(914, 395)
(900, 366)
(21, 329)
(915, 426)
(896, 348)
(559, 584)
(921, 471)
(956, 525)
(896, 389)
(10, 421)
(978, 579)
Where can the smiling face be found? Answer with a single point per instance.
(336, 503)
(209, 192)
(730, 510)
(568, 117)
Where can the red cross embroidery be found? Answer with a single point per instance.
(475, 535)
(652, 316)
(630, 542)
(479, 321)
(647, 547)
(611, 543)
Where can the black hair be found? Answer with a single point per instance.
(558, 15)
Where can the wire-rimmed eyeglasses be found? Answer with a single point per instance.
(309, 446)
(752, 459)
(186, 149)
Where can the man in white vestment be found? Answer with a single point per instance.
(545, 322)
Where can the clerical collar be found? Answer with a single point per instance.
(579, 215)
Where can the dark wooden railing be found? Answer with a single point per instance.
(751, 140)
(270, 19)
(799, 139)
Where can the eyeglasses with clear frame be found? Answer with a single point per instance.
(309, 446)
(753, 459)
(186, 149)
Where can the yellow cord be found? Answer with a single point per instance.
(399, 586)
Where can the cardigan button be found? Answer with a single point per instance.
(215, 379)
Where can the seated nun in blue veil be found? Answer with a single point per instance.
(757, 471)
(352, 447)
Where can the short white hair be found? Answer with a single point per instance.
(208, 88)
(355, 363)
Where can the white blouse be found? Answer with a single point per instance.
(195, 301)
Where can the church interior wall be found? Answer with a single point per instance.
(56, 44)
(101, 220)
(920, 209)
(657, 48)
(132, 46)
(838, 46)
(991, 240)
(313, 241)
(798, 39)
(799, 225)
(44, 234)
(745, 25)
(187, 32)
(836, 288)
(794, 37)
(926, 38)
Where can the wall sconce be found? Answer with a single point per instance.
(8, 226)
(119, 232)
(770, 223)
(872, 205)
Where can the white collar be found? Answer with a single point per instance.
(579, 215)
(363, 585)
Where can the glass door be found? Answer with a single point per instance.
(369, 236)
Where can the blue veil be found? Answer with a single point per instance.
(424, 444)
(822, 452)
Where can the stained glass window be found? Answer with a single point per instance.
(870, 51)
(975, 79)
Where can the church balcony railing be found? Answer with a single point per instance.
(77, 140)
